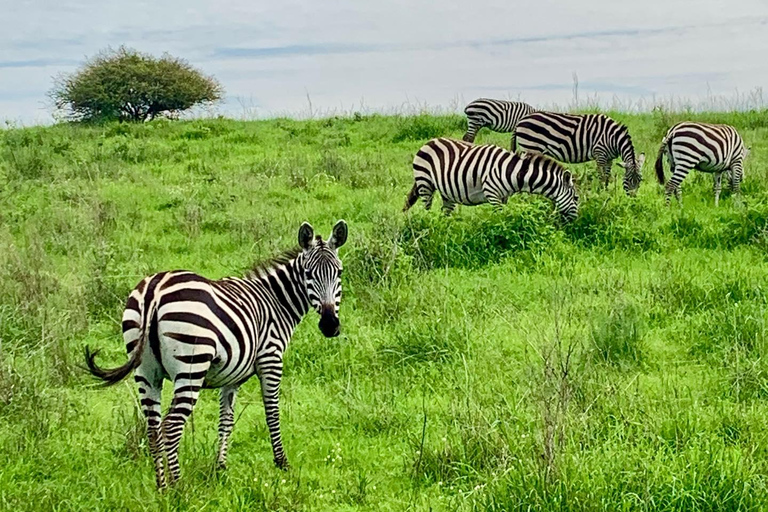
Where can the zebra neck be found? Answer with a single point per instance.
(286, 283)
(533, 175)
(627, 153)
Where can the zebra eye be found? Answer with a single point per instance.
(341, 271)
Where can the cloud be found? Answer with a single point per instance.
(37, 63)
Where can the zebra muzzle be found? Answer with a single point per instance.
(329, 322)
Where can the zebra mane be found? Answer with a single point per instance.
(262, 268)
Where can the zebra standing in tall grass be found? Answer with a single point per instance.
(202, 333)
(713, 148)
(498, 115)
(467, 174)
(580, 138)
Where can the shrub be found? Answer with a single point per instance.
(477, 238)
(127, 85)
(425, 127)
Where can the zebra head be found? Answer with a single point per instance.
(322, 274)
(567, 200)
(633, 174)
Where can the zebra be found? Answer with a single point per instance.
(203, 333)
(575, 139)
(498, 115)
(713, 148)
(470, 174)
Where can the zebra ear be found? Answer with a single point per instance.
(306, 236)
(640, 160)
(568, 178)
(339, 235)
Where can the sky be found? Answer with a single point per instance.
(303, 58)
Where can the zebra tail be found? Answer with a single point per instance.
(413, 196)
(112, 376)
(660, 162)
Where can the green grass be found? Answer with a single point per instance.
(489, 361)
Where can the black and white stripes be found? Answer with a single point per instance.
(498, 115)
(467, 174)
(713, 148)
(580, 138)
(202, 333)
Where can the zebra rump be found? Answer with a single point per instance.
(497, 115)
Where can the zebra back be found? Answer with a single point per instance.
(573, 138)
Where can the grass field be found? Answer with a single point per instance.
(488, 361)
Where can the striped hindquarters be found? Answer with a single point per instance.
(706, 147)
(192, 322)
(563, 137)
(457, 169)
(498, 115)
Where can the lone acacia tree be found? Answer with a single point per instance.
(127, 85)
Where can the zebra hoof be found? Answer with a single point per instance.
(221, 466)
(282, 464)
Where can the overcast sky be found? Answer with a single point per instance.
(351, 55)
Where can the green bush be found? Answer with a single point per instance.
(127, 85)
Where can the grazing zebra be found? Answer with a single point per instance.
(580, 138)
(467, 174)
(202, 333)
(714, 148)
(498, 115)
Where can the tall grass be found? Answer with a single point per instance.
(488, 361)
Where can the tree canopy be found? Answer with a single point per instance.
(128, 85)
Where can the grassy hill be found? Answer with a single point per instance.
(488, 361)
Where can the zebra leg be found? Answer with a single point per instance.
(717, 186)
(226, 422)
(673, 185)
(186, 390)
(737, 173)
(150, 392)
(472, 129)
(494, 197)
(426, 194)
(448, 206)
(604, 169)
(271, 371)
(512, 142)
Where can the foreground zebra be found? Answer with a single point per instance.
(498, 115)
(467, 174)
(580, 138)
(714, 148)
(201, 333)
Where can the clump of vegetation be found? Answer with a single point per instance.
(424, 127)
(128, 85)
(618, 336)
(525, 225)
